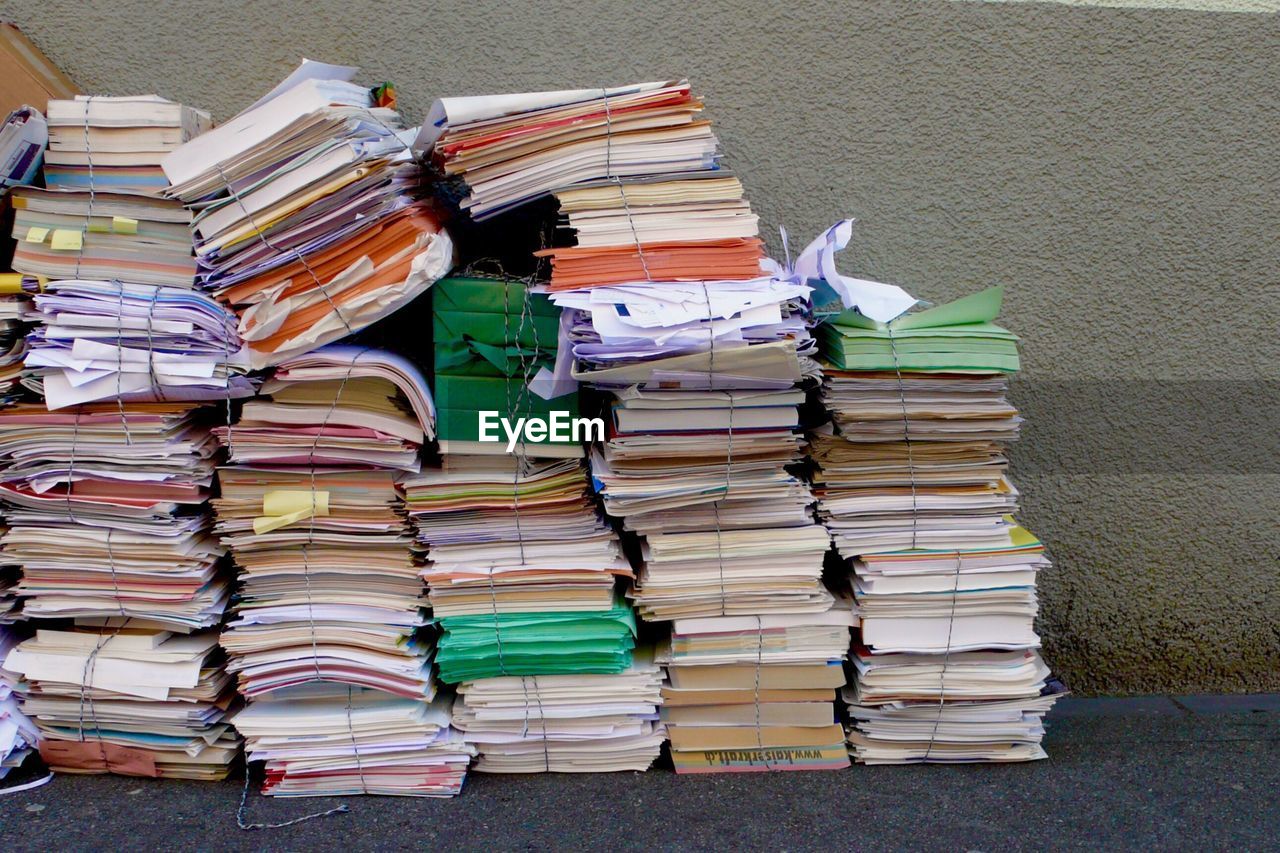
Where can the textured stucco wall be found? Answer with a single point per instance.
(1116, 169)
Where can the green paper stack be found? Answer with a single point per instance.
(491, 338)
(958, 337)
(536, 644)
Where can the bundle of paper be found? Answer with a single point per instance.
(127, 698)
(911, 482)
(336, 740)
(965, 599)
(18, 734)
(107, 515)
(100, 340)
(22, 146)
(306, 219)
(958, 337)
(337, 406)
(755, 692)
(914, 455)
(539, 643)
(589, 723)
(115, 144)
(495, 341)
(329, 590)
(973, 706)
(97, 234)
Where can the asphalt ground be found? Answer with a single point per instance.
(1150, 772)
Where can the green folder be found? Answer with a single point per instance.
(491, 337)
(536, 644)
(956, 337)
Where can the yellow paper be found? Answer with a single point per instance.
(37, 235)
(283, 507)
(99, 226)
(11, 282)
(124, 225)
(67, 240)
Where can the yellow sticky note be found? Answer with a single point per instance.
(285, 501)
(67, 240)
(124, 225)
(37, 235)
(11, 282)
(283, 507)
(99, 226)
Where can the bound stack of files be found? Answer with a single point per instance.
(916, 497)
(100, 340)
(573, 723)
(18, 734)
(310, 512)
(16, 291)
(115, 144)
(754, 693)
(493, 339)
(989, 705)
(106, 507)
(124, 697)
(939, 378)
(335, 740)
(102, 235)
(103, 215)
(306, 217)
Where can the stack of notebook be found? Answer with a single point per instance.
(911, 482)
(306, 217)
(106, 507)
(334, 740)
(125, 697)
(107, 340)
(104, 214)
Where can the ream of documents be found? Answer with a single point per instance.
(107, 514)
(115, 144)
(912, 481)
(337, 740)
(97, 234)
(128, 699)
(306, 215)
(107, 340)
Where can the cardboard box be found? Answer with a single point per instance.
(26, 75)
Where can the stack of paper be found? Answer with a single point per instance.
(102, 235)
(911, 482)
(115, 144)
(107, 515)
(310, 511)
(587, 723)
(133, 701)
(335, 740)
(306, 219)
(752, 693)
(100, 340)
(18, 735)
(914, 457)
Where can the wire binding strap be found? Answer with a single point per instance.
(946, 659)
(906, 438)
